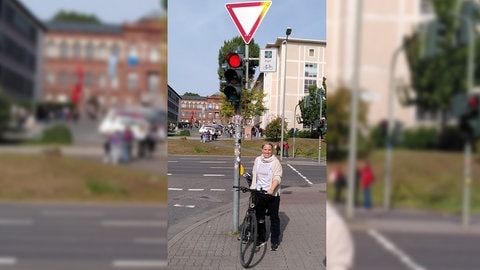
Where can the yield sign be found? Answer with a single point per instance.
(247, 16)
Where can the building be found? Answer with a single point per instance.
(21, 41)
(174, 100)
(382, 29)
(201, 110)
(305, 66)
(118, 65)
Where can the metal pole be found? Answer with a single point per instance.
(468, 150)
(388, 142)
(236, 168)
(320, 133)
(294, 130)
(289, 30)
(352, 157)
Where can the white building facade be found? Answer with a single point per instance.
(305, 66)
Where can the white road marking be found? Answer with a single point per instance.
(389, 246)
(221, 167)
(133, 223)
(15, 222)
(216, 175)
(172, 161)
(185, 206)
(217, 189)
(169, 174)
(7, 260)
(151, 241)
(196, 189)
(215, 162)
(299, 173)
(176, 189)
(140, 263)
(59, 213)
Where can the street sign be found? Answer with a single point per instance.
(268, 60)
(247, 16)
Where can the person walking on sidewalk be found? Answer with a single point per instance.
(267, 175)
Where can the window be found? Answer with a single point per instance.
(153, 82)
(89, 51)
(63, 49)
(102, 81)
(153, 55)
(310, 70)
(426, 7)
(76, 50)
(132, 81)
(311, 52)
(308, 84)
(51, 49)
(114, 82)
(115, 50)
(63, 78)
(51, 77)
(89, 79)
(102, 51)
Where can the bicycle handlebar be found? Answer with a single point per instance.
(246, 189)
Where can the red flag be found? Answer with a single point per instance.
(77, 90)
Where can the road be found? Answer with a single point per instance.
(200, 186)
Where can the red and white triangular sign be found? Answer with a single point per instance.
(247, 16)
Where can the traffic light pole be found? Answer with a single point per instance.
(236, 167)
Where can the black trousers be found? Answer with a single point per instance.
(272, 203)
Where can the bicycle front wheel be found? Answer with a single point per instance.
(248, 239)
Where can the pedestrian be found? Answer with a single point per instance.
(340, 244)
(366, 181)
(106, 149)
(285, 148)
(277, 149)
(127, 144)
(267, 175)
(338, 179)
(115, 146)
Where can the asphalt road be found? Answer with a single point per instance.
(200, 186)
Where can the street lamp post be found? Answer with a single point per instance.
(320, 119)
(288, 32)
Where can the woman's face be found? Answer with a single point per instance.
(267, 150)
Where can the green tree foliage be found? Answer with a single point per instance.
(310, 105)
(72, 16)
(273, 131)
(339, 119)
(5, 108)
(436, 78)
(191, 94)
(229, 46)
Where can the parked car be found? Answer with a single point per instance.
(139, 119)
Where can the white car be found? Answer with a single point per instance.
(140, 120)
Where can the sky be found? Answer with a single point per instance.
(197, 30)
(125, 10)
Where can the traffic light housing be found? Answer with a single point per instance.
(467, 109)
(233, 74)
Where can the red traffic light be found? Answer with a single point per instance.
(473, 102)
(234, 60)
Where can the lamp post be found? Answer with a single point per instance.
(320, 93)
(288, 32)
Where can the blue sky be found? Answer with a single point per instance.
(197, 30)
(108, 11)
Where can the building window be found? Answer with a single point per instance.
(310, 70)
(308, 84)
(63, 78)
(132, 81)
(89, 79)
(153, 55)
(426, 7)
(51, 77)
(77, 49)
(311, 52)
(89, 51)
(115, 50)
(133, 56)
(102, 81)
(51, 49)
(114, 82)
(102, 51)
(153, 82)
(63, 49)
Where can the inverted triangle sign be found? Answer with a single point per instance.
(247, 16)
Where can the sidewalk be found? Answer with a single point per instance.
(209, 244)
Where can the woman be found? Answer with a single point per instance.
(267, 175)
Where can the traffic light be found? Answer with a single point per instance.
(322, 128)
(233, 74)
(467, 109)
(433, 35)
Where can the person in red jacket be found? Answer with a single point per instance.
(366, 181)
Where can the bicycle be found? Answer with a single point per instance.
(248, 230)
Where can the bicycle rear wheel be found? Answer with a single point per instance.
(248, 239)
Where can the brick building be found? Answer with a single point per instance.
(119, 64)
(202, 110)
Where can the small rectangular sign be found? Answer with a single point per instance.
(268, 60)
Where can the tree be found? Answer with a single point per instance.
(437, 63)
(310, 105)
(339, 120)
(273, 130)
(72, 16)
(252, 99)
(5, 108)
(191, 94)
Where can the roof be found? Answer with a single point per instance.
(94, 28)
(193, 97)
(280, 40)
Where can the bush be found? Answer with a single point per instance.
(58, 134)
(185, 133)
(422, 138)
